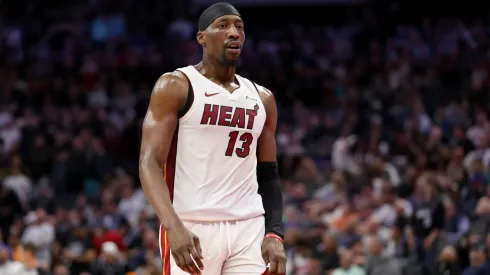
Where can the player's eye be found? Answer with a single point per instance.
(222, 25)
(239, 27)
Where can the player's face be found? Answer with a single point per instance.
(224, 39)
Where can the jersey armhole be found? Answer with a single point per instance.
(258, 93)
(189, 99)
(255, 86)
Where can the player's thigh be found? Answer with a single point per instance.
(209, 238)
(211, 267)
(246, 258)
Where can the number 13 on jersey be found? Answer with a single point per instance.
(242, 150)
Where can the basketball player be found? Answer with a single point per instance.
(212, 133)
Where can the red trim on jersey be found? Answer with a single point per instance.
(169, 176)
(187, 105)
(165, 250)
(169, 171)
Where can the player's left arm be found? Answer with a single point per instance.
(270, 187)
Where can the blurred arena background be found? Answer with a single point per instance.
(380, 103)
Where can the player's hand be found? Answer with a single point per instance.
(274, 255)
(186, 250)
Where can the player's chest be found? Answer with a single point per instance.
(240, 110)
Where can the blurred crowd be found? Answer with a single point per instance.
(383, 137)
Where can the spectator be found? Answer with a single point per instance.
(10, 209)
(79, 251)
(335, 191)
(329, 254)
(148, 247)
(413, 265)
(149, 266)
(30, 262)
(456, 224)
(377, 264)
(314, 266)
(347, 267)
(132, 201)
(9, 134)
(482, 214)
(428, 221)
(341, 156)
(397, 244)
(110, 261)
(61, 269)
(18, 182)
(105, 234)
(44, 197)
(8, 267)
(448, 262)
(477, 262)
(392, 208)
(40, 233)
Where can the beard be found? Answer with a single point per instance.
(229, 62)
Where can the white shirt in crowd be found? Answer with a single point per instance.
(21, 185)
(131, 207)
(16, 268)
(42, 236)
(10, 136)
(481, 154)
(11, 268)
(386, 214)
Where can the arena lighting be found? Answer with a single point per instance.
(251, 3)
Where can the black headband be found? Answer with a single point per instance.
(214, 12)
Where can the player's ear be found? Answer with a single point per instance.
(201, 39)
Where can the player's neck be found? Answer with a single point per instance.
(218, 71)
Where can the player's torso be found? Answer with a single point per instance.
(215, 170)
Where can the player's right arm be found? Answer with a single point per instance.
(167, 99)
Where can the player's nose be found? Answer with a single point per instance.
(233, 33)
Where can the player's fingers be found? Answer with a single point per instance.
(280, 260)
(197, 258)
(281, 267)
(273, 265)
(183, 261)
(265, 256)
(191, 265)
(197, 245)
(179, 261)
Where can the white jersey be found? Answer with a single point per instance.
(211, 167)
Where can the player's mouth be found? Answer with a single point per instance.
(234, 47)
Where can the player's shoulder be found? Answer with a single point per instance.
(172, 84)
(263, 91)
(171, 80)
(265, 94)
(268, 100)
(170, 88)
(267, 97)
